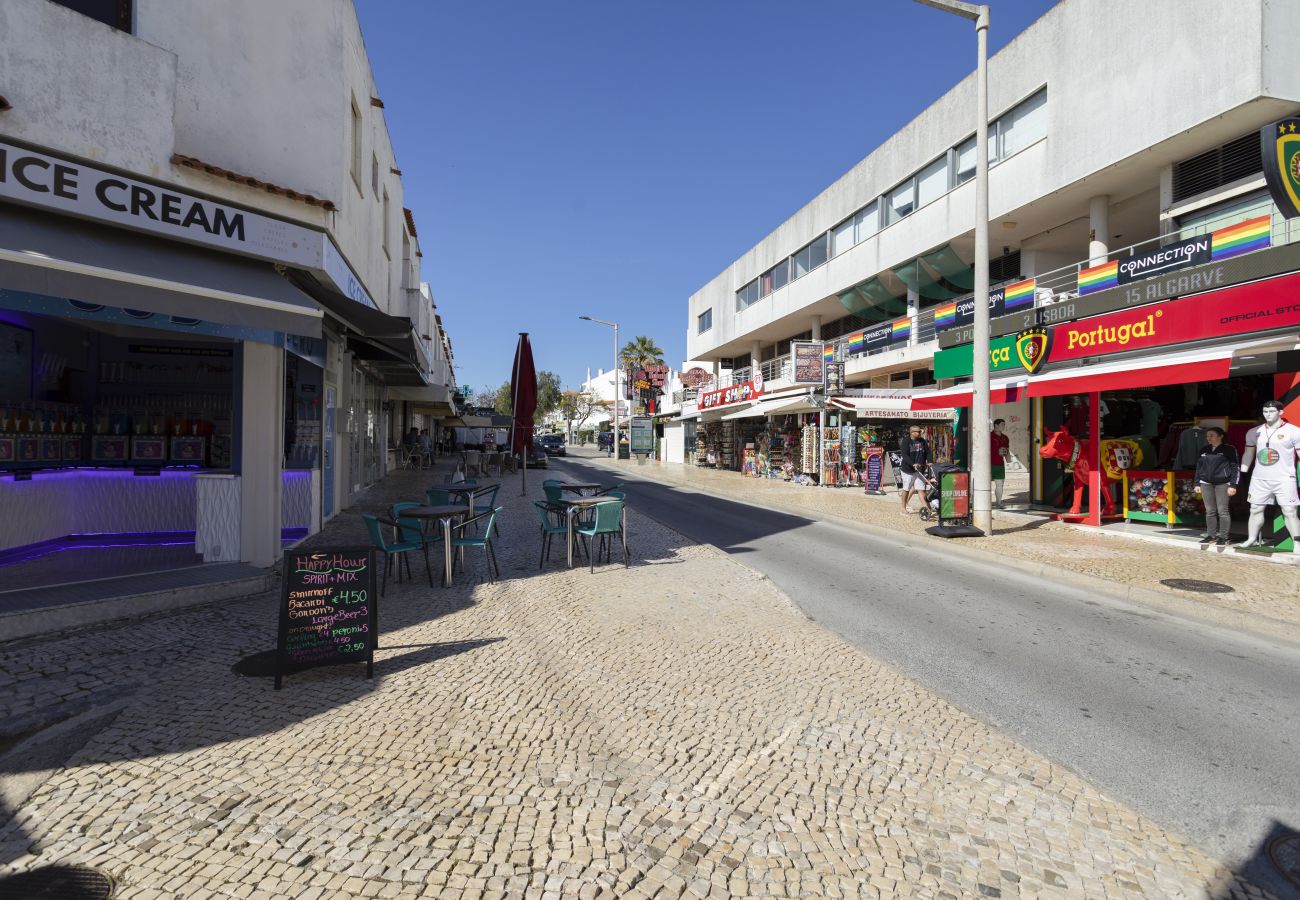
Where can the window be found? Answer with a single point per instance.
(1022, 126)
(704, 321)
(964, 170)
(842, 237)
(748, 295)
(811, 256)
(900, 202)
(386, 225)
(774, 278)
(374, 175)
(932, 181)
(113, 13)
(356, 143)
(867, 222)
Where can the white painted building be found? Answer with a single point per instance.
(1114, 128)
(211, 179)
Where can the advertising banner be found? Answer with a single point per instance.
(642, 434)
(1009, 298)
(809, 362)
(736, 393)
(834, 379)
(958, 361)
(1233, 240)
(874, 459)
(954, 496)
(882, 335)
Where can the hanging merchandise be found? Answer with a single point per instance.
(808, 450)
(830, 472)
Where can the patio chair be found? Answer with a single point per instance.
(552, 520)
(395, 548)
(485, 501)
(551, 488)
(473, 460)
(484, 541)
(412, 529)
(607, 522)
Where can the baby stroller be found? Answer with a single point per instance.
(931, 508)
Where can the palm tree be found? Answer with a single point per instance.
(642, 352)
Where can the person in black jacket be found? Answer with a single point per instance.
(914, 451)
(1216, 480)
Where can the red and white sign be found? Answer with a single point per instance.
(656, 375)
(737, 393)
(1260, 306)
(696, 377)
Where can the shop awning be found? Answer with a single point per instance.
(58, 256)
(1211, 364)
(801, 403)
(1001, 390)
(477, 421)
(873, 405)
(744, 411)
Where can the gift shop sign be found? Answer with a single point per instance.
(737, 393)
(73, 188)
(1256, 307)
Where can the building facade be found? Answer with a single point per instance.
(210, 288)
(1126, 171)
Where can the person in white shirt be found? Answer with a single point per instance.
(1272, 448)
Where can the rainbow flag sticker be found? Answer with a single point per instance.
(828, 352)
(1244, 237)
(1019, 295)
(857, 341)
(1098, 278)
(946, 316)
(901, 328)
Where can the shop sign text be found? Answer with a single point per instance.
(736, 393)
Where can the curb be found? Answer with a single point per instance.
(38, 622)
(1251, 623)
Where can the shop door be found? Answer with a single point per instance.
(327, 443)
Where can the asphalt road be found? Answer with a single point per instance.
(1194, 725)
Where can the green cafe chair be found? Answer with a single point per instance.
(397, 548)
(607, 522)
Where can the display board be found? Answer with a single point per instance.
(328, 611)
(642, 434)
(874, 465)
(954, 497)
(809, 362)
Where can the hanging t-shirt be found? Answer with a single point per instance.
(1273, 449)
(1190, 443)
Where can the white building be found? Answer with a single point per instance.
(1111, 125)
(202, 227)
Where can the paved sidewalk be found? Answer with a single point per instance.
(1267, 592)
(673, 729)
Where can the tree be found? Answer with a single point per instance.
(502, 401)
(641, 352)
(577, 407)
(548, 396)
(486, 396)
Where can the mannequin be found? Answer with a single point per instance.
(1273, 446)
(1000, 451)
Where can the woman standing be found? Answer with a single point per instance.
(1216, 480)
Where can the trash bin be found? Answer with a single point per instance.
(623, 450)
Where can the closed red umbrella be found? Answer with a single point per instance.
(523, 390)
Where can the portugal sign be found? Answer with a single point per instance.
(1279, 146)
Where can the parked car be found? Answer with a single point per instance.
(537, 457)
(553, 444)
(605, 440)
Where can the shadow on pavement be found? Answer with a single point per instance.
(1274, 866)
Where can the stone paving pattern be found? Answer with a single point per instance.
(675, 729)
(1259, 587)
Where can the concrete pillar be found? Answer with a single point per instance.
(1098, 229)
(261, 442)
(755, 355)
(717, 372)
(913, 309)
(816, 328)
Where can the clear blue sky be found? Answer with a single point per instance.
(610, 158)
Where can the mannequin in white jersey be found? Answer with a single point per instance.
(1272, 448)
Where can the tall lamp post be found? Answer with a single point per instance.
(981, 462)
(614, 325)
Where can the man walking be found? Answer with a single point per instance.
(914, 451)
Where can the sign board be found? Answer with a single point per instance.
(834, 379)
(696, 377)
(736, 393)
(1279, 146)
(328, 611)
(954, 498)
(874, 458)
(958, 361)
(642, 433)
(1003, 300)
(657, 375)
(809, 362)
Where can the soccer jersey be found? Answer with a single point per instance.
(1273, 449)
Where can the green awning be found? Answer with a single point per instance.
(872, 301)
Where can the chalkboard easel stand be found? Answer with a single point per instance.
(329, 613)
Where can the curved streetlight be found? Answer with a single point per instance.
(613, 325)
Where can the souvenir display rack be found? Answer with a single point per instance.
(1168, 497)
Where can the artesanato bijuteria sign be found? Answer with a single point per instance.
(35, 178)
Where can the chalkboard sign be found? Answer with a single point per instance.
(328, 613)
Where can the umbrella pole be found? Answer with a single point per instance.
(514, 429)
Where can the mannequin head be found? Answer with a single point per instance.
(1272, 412)
(998, 425)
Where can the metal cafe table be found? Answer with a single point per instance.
(572, 507)
(582, 490)
(469, 491)
(444, 514)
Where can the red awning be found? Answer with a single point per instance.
(1209, 365)
(961, 395)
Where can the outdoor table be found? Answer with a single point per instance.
(580, 489)
(573, 505)
(443, 514)
(468, 489)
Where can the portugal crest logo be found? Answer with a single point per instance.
(1280, 147)
(1032, 347)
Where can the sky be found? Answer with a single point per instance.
(609, 158)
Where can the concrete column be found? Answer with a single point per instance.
(1098, 229)
(913, 309)
(755, 353)
(816, 328)
(717, 372)
(261, 443)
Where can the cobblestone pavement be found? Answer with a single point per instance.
(1259, 587)
(675, 729)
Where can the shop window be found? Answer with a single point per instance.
(704, 321)
(113, 13)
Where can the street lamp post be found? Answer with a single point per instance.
(613, 325)
(981, 461)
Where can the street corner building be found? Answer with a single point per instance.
(1144, 273)
(213, 330)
